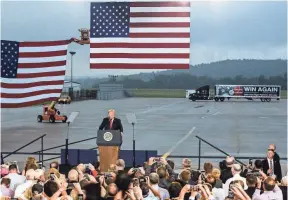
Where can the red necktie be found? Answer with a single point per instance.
(111, 122)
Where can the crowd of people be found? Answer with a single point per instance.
(155, 180)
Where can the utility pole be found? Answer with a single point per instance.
(71, 78)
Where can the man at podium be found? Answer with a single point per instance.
(111, 122)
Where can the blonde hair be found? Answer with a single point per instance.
(112, 168)
(216, 173)
(111, 110)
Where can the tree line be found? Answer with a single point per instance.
(186, 81)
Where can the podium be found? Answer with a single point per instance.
(109, 142)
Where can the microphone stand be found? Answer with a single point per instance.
(66, 145)
(133, 146)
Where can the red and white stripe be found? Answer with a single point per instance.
(159, 39)
(40, 74)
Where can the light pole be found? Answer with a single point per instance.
(71, 78)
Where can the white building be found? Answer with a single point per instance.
(67, 84)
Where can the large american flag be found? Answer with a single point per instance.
(140, 35)
(32, 72)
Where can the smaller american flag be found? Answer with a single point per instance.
(32, 72)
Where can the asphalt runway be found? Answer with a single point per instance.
(240, 128)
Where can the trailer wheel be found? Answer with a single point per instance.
(222, 99)
(216, 99)
(263, 100)
(51, 119)
(39, 118)
(65, 119)
(268, 99)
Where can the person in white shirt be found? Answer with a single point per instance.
(236, 170)
(218, 193)
(30, 181)
(154, 181)
(15, 178)
(271, 190)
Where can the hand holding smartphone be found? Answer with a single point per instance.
(80, 197)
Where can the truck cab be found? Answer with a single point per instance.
(188, 92)
(202, 93)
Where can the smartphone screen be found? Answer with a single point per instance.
(135, 182)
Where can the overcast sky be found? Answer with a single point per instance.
(219, 30)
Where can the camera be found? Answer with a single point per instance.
(230, 192)
(107, 175)
(134, 170)
(157, 159)
(194, 188)
(70, 186)
(80, 196)
(86, 166)
(250, 161)
(142, 179)
(135, 182)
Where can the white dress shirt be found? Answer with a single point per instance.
(276, 194)
(269, 163)
(218, 193)
(16, 180)
(19, 192)
(234, 178)
(163, 192)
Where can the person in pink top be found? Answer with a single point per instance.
(5, 190)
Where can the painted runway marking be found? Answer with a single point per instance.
(203, 117)
(158, 108)
(179, 142)
(216, 113)
(262, 117)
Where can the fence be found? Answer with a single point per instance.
(199, 156)
(83, 94)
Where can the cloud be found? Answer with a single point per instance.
(226, 30)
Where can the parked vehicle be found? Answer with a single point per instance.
(221, 92)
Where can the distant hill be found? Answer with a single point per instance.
(227, 68)
(216, 70)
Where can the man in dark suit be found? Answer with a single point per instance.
(111, 122)
(272, 166)
(227, 172)
(273, 148)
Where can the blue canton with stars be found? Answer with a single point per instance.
(9, 58)
(110, 19)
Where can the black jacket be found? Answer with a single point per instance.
(277, 168)
(276, 157)
(226, 174)
(284, 191)
(117, 125)
(250, 191)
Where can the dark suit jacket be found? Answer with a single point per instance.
(117, 125)
(250, 191)
(284, 191)
(277, 168)
(226, 174)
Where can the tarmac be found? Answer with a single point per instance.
(240, 128)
